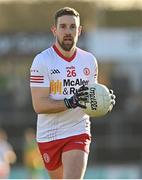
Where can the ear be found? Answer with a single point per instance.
(79, 30)
(53, 29)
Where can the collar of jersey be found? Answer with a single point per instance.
(69, 59)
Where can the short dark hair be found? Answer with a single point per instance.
(66, 11)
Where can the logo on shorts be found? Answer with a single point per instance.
(46, 157)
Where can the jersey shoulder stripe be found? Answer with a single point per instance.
(39, 68)
(36, 79)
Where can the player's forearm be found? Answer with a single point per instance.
(46, 105)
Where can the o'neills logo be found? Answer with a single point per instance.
(46, 157)
(93, 100)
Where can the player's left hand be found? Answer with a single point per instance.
(112, 99)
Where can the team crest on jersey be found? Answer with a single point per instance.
(86, 71)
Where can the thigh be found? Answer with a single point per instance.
(51, 154)
(57, 173)
(74, 164)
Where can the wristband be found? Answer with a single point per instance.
(67, 103)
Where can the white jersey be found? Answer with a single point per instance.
(63, 75)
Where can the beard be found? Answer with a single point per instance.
(66, 46)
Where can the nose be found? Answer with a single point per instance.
(68, 30)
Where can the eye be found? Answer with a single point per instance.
(62, 26)
(73, 26)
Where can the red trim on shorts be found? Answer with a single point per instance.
(51, 151)
(69, 59)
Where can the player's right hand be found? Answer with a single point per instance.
(79, 99)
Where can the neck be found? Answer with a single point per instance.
(67, 54)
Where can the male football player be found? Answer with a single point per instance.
(59, 79)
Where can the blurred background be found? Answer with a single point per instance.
(112, 31)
